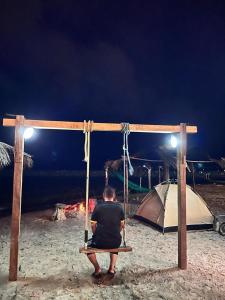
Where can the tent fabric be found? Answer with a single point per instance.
(160, 208)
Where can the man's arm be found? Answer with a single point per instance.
(93, 226)
(122, 224)
(122, 219)
(94, 219)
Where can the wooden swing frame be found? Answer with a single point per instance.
(20, 123)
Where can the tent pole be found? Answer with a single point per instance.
(17, 193)
(181, 178)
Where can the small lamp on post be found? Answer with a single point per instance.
(106, 176)
(173, 141)
(174, 144)
(140, 182)
(28, 133)
(149, 176)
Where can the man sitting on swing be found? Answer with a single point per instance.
(106, 222)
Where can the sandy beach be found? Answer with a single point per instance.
(50, 266)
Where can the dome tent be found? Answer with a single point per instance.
(160, 209)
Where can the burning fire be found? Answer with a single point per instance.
(80, 207)
(67, 211)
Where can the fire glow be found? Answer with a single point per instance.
(80, 207)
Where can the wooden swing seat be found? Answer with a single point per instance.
(97, 250)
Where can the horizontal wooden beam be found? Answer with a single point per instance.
(64, 125)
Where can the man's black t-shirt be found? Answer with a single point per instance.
(108, 216)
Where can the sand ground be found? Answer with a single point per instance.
(52, 268)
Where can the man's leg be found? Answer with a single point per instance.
(93, 260)
(113, 259)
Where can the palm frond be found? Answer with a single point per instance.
(5, 150)
(7, 156)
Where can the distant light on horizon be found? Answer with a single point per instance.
(173, 141)
(28, 133)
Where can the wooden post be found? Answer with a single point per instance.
(181, 178)
(140, 182)
(150, 178)
(17, 193)
(166, 172)
(160, 168)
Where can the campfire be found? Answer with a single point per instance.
(64, 211)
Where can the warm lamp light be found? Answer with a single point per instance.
(173, 141)
(28, 133)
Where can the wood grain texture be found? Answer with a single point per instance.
(181, 178)
(17, 194)
(96, 250)
(64, 125)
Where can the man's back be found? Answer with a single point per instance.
(108, 216)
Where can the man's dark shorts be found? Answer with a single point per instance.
(92, 244)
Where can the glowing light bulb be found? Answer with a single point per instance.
(28, 133)
(173, 141)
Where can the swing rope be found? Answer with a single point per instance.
(126, 131)
(126, 158)
(87, 132)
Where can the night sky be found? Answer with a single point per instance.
(155, 62)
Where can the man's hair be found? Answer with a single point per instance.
(109, 192)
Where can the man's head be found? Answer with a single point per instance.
(109, 193)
